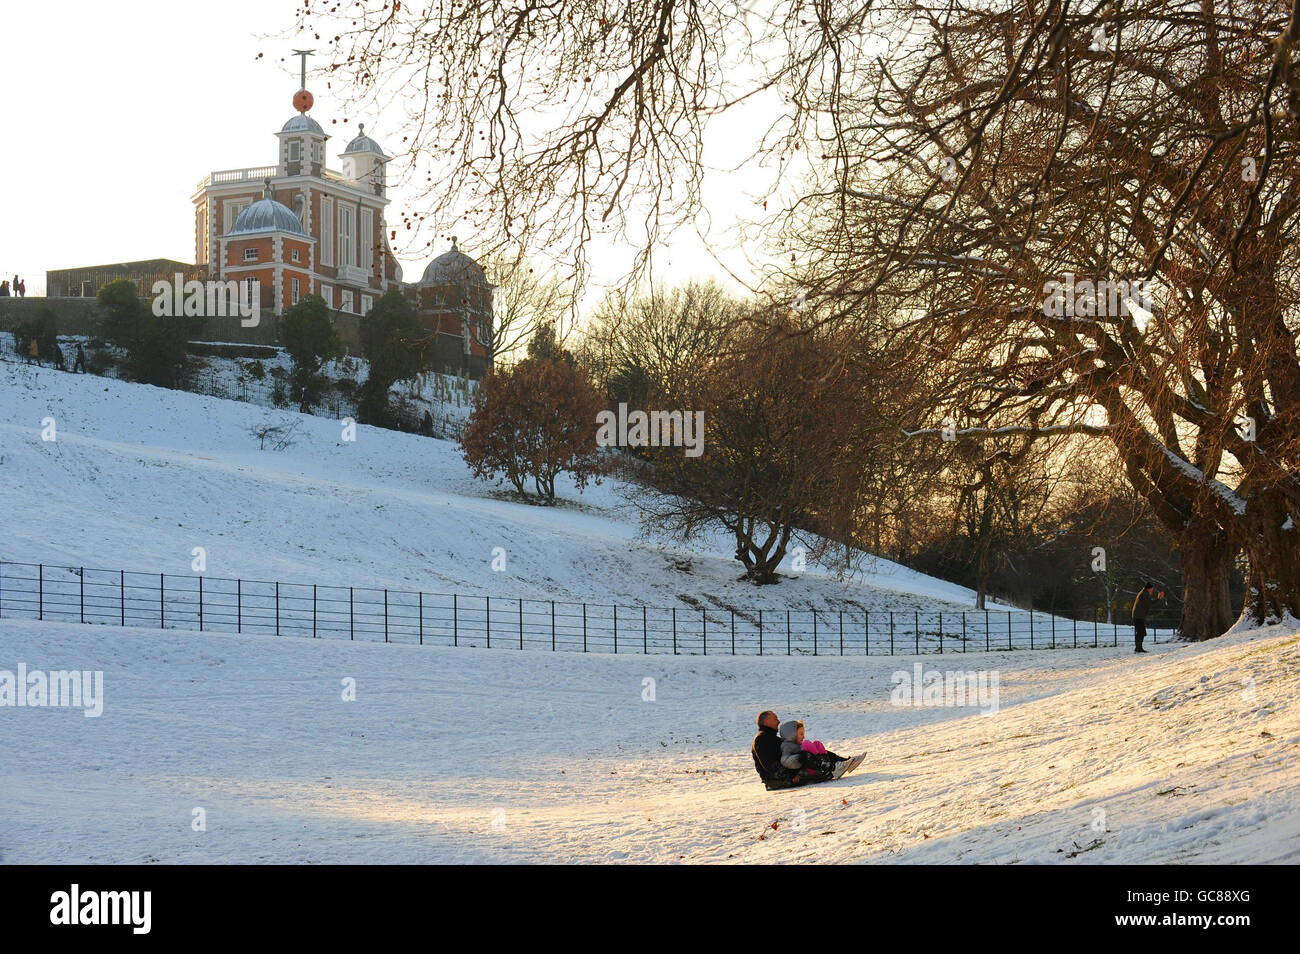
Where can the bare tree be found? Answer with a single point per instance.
(522, 301)
(947, 177)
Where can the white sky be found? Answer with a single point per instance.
(115, 111)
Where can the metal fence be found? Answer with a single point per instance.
(212, 604)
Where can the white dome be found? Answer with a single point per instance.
(267, 215)
(454, 267)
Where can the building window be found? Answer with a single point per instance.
(315, 152)
(250, 254)
(327, 231)
(232, 212)
(295, 255)
(346, 236)
(327, 293)
(298, 207)
(367, 303)
(366, 241)
(294, 153)
(345, 301)
(296, 293)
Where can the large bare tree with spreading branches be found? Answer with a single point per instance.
(1078, 216)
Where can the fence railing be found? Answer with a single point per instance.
(215, 604)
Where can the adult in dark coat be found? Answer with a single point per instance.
(1141, 606)
(766, 752)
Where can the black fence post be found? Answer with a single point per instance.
(1008, 629)
(704, 629)
(787, 631)
(352, 614)
(584, 627)
(239, 606)
(963, 631)
(940, 632)
(200, 603)
(1094, 630)
(674, 630)
(866, 632)
(277, 610)
(1076, 632)
(891, 632)
(645, 638)
(487, 622)
(760, 632)
(1053, 630)
(83, 599)
(1031, 629)
(521, 622)
(733, 632)
(841, 632)
(615, 629)
(121, 592)
(420, 596)
(916, 633)
(455, 621)
(986, 630)
(40, 591)
(814, 632)
(313, 611)
(552, 625)
(162, 611)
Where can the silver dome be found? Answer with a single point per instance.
(302, 123)
(267, 215)
(454, 267)
(362, 143)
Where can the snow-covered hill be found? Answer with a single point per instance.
(139, 476)
(1188, 754)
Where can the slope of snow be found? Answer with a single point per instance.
(461, 755)
(140, 476)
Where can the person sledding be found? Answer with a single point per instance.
(806, 756)
(812, 767)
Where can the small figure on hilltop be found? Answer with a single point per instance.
(34, 352)
(4, 289)
(1140, 607)
(426, 424)
(22, 289)
(80, 364)
(58, 357)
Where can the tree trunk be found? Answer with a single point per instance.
(1206, 562)
(1272, 547)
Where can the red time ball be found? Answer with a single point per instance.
(302, 100)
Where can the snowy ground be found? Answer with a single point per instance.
(139, 476)
(1187, 754)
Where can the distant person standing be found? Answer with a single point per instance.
(34, 351)
(22, 289)
(1141, 606)
(4, 289)
(80, 364)
(57, 360)
(14, 286)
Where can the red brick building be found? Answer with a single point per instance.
(300, 228)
